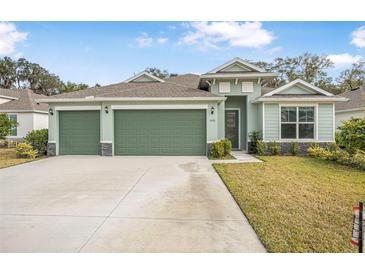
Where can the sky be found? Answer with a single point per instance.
(110, 52)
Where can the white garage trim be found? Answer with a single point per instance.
(66, 108)
(141, 107)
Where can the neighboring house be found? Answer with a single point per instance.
(183, 115)
(354, 108)
(20, 106)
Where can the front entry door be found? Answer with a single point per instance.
(232, 127)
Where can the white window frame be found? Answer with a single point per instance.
(224, 83)
(243, 83)
(16, 120)
(315, 123)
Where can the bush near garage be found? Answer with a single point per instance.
(25, 150)
(221, 148)
(38, 139)
(351, 135)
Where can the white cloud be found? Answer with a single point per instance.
(344, 59)
(9, 37)
(358, 37)
(236, 34)
(162, 40)
(144, 40)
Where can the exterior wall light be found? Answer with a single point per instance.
(106, 109)
(212, 110)
(50, 111)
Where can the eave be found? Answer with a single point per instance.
(130, 99)
(246, 75)
(328, 99)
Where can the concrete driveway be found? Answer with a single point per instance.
(120, 204)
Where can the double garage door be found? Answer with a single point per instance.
(136, 132)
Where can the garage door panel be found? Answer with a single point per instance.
(79, 132)
(160, 132)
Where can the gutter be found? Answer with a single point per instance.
(329, 99)
(23, 111)
(351, 109)
(130, 99)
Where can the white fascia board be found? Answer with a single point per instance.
(65, 108)
(237, 60)
(140, 107)
(299, 99)
(23, 111)
(131, 99)
(146, 74)
(247, 75)
(8, 97)
(295, 82)
(350, 110)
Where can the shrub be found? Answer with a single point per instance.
(218, 149)
(261, 147)
(25, 150)
(359, 159)
(343, 157)
(351, 135)
(274, 148)
(255, 136)
(38, 139)
(294, 148)
(227, 146)
(320, 153)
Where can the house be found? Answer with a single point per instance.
(20, 106)
(353, 108)
(183, 115)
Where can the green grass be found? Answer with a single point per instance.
(8, 158)
(297, 204)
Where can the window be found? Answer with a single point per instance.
(224, 87)
(247, 86)
(297, 122)
(14, 130)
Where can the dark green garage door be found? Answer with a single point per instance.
(159, 132)
(79, 132)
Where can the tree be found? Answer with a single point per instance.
(6, 124)
(24, 74)
(353, 77)
(309, 67)
(7, 72)
(69, 87)
(162, 74)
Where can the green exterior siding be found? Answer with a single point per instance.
(79, 132)
(325, 122)
(295, 90)
(271, 117)
(160, 132)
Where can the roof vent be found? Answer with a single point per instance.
(89, 97)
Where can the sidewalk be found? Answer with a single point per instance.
(241, 157)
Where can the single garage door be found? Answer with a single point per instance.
(159, 132)
(79, 132)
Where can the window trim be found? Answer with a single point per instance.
(245, 91)
(16, 127)
(224, 82)
(315, 123)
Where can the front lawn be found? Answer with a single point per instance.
(297, 204)
(8, 158)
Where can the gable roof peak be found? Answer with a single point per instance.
(239, 61)
(299, 82)
(144, 73)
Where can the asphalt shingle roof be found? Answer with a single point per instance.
(24, 100)
(179, 86)
(357, 99)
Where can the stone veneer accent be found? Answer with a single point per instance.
(286, 147)
(51, 149)
(106, 149)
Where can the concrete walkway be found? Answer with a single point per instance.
(120, 204)
(241, 157)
